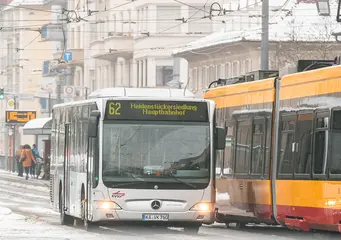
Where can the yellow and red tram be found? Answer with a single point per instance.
(282, 160)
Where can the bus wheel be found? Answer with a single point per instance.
(64, 218)
(192, 229)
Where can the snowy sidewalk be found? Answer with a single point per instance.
(14, 179)
(16, 226)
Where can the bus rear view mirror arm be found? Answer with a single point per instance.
(93, 123)
(220, 138)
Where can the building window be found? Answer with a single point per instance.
(92, 79)
(164, 13)
(219, 72)
(235, 69)
(195, 78)
(93, 30)
(247, 66)
(227, 70)
(163, 75)
(138, 74)
(43, 103)
(138, 21)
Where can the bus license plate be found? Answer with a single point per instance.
(155, 217)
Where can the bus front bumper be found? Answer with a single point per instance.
(164, 217)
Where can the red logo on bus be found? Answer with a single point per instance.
(118, 194)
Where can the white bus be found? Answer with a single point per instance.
(134, 154)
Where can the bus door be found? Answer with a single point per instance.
(67, 154)
(89, 176)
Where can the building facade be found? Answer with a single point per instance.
(128, 43)
(21, 58)
(295, 33)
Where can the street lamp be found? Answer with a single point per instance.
(323, 7)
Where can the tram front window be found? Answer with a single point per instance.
(171, 156)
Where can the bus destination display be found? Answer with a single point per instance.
(156, 110)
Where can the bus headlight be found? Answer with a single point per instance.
(202, 207)
(107, 205)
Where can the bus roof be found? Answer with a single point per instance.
(141, 92)
(136, 93)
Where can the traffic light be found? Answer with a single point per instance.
(2, 93)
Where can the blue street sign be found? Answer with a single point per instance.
(67, 56)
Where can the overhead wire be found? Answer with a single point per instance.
(250, 32)
(31, 42)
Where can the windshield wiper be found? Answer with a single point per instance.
(140, 180)
(183, 182)
(126, 184)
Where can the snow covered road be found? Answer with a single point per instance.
(25, 213)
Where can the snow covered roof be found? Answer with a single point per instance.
(290, 21)
(16, 3)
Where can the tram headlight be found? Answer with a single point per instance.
(202, 207)
(107, 205)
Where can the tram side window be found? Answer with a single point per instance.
(335, 156)
(320, 147)
(229, 151)
(268, 146)
(257, 157)
(303, 138)
(244, 132)
(286, 155)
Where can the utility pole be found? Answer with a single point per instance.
(13, 137)
(265, 36)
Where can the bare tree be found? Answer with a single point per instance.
(305, 40)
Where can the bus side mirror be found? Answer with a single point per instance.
(220, 138)
(93, 124)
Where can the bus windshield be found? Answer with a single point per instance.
(160, 155)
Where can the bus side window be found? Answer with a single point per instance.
(320, 144)
(95, 154)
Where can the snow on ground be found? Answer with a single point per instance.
(24, 185)
(16, 226)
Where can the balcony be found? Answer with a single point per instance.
(113, 46)
(70, 58)
(97, 48)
